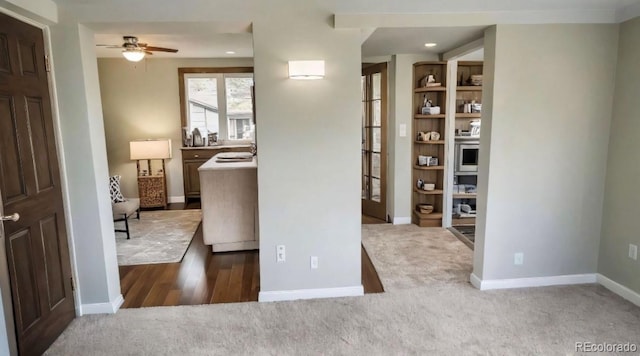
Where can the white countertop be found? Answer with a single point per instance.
(212, 165)
(215, 147)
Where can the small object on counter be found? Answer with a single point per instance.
(435, 136)
(212, 138)
(423, 160)
(475, 127)
(420, 183)
(433, 161)
(430, 110)
(198, 140)
(428, 186)
(424, 136)
(476, 79)
(476, 108)
(425, 208)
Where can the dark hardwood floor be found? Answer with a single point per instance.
(366, 219)
(206, 278)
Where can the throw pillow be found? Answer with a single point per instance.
(114, 189)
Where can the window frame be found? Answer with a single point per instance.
(185, 73)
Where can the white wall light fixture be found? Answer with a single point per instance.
(306, 69)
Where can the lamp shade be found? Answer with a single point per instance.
(150, 149)
(133, 55)
(306, 69)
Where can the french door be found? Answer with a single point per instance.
(374, 140)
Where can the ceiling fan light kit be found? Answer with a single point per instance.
(133, 55)
(135, 52)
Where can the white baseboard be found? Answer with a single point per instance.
(475, 281)
(402, 220)
(281, 295)
(619, 289)
(179, 199)
(532, 281)
(102, 308)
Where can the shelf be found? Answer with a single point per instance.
(469, 88)
(438, 142)
(432, 216)
(428, 89)
(429, 168)
(464, 195)
(419, 116)
(475, 115)
(428, 192)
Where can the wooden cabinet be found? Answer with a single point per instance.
(193, 158)
(431, 172)
(152, 191)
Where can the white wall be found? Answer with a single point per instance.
(85, 160)
(619, 226)
(541, 184)
(140, 100)
(309, 151)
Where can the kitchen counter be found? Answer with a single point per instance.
(229, 198)
(216, 147)
(212, 165)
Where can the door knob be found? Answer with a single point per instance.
(13, 217)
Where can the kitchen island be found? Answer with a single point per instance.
(229, 196)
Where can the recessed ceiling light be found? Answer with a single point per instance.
(230, 52)
(430, 44)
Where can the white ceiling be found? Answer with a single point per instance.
(191, 39)
(387, 41)
(197, 37)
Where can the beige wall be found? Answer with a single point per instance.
(541, 185)
(308, 134)
(619, 225)
(399, 183)
(140, 100)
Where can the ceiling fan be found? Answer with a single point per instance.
(135, 51)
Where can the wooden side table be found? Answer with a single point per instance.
(152, 191)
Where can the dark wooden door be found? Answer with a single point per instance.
(36, 244)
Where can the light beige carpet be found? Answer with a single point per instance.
(407, 256)
(438, 320)
(441, 314)
(160, 236)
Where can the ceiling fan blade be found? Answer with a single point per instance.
(147, 52)
(160, 49)
(108, 45)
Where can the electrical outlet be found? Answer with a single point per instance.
(633, 252)
(314, 262)
(518, 258)
(281, 255)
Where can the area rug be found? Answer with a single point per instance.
(408, 256)
(161, 236)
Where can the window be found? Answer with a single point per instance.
(218, 102)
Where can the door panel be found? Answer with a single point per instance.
(10, 163)
(53, 257)
(39, 144)
(24, 281)
(28, 58)
(37, 250)
(4, 54)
